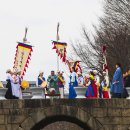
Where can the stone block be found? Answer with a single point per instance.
(12, 127)
(115, 103)
(11, 119)
(33, 103)
(83, 116)
(28, 123)
(126, 103)
(116, 127)
(2, 127)
(2, 119)
(114, 112)
(126, 112)
(38, 115)
(4, 111)
(17, 104)
(99, 112)
(12, 104)
(109, 120)
(94, 124)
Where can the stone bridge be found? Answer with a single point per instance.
(65, 114)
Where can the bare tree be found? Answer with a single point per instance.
(114, 32)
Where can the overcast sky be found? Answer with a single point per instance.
(41, 17)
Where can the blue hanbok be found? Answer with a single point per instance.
(117, 82)
(89, 90)
(73, 83)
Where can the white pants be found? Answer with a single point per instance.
(61, 92)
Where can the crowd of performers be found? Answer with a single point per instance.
(55, 84)
(94, 89)
(91, 82)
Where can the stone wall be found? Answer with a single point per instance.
(86, 114)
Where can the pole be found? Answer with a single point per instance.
(57, 63)
(107, 75)
(57, 38)
(25, 36)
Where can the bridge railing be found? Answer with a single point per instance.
(37, 92)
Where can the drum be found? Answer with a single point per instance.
(25, 84)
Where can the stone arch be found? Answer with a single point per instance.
(48, 120)
(44, 116)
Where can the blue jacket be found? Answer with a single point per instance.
(117, 82)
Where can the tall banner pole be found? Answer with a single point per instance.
(57, 38)
(105, 65)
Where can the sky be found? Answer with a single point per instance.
(41, 18)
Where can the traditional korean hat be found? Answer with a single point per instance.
(8, 70)
(95, 71)
(40, 72)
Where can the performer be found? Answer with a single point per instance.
(89, 90)
(80, 80)
(97, 78)
(117, 82)
(73, 83)
(20, 79)
(105, 92)
(94, 85)
(41, 79)
(86, 80)
(8, 94)
(52, 81)
(61, 83)
(16, 89)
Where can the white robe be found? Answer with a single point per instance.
(16, 89)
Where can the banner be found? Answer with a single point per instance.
(22, 57)
(60, 48)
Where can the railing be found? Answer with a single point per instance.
(36, 92)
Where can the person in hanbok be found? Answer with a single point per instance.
(97, 81)
(117, 83)
(105, 93)
(61, 83)
(8, 94)
(89, 88)
(41, 79)
(94, 84)
(73, 83)
(52, 82)
(16, 89)
(80, 80)
(86, 80)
